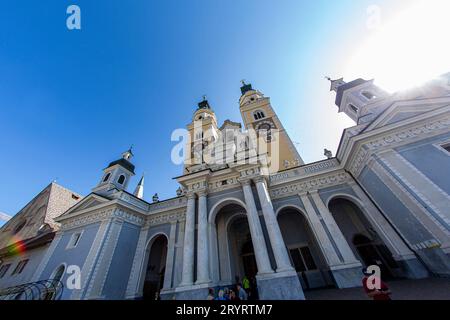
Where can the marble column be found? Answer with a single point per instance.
(187, 278)
(135, 287)
(436, 200)
(170, 256)
(321, 236)
(202, 240)
(333, 228)
(396, 244)
(259, 243)
(273, 229)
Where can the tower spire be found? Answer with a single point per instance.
(204, 104)
(139, 191)
(245, 87)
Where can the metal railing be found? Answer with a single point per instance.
(40, 290)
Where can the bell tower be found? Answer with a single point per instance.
(203, 132)
(258, 114)
(359, 99)
(117, 174)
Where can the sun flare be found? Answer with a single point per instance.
(409, 49)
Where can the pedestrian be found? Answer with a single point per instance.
(226, 294)
(210, 294)
(220, 296)
(246, 284)
(377, 294)
(233, 296)
(242, 294)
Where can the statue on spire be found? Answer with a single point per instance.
(335, 84)
(127, 155)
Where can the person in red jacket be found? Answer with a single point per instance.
(377, 294)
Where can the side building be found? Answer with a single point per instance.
(25, 238)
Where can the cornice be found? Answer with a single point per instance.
(310, 184)
(359, 151)
(164, 218)
(97, 216)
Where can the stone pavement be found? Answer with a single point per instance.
(426, 289)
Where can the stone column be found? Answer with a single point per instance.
(202, 240)
(396, 244)
(317, 228)
(435, 199)
(333, 228)
(259, 244)
(415, 207)
(170, 256)
(91, 260)
(138, 268)
(273, 229)
(102, 265)
(188, 245)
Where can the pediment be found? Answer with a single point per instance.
(404, 110)
(91, 201)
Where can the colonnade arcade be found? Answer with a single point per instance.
(234, 240)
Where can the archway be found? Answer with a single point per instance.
(155, 269)
(54, 285)
(362, 237)
(235, 253)
(241, 249)
(304, 251)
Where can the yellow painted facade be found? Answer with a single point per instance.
(257, 114)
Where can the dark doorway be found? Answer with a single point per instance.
(362, 237)
(248, 260)
(372, 254)
(154, 278)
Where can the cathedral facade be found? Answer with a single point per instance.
(243, 210)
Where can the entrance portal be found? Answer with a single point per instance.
(154, 277)
(248, 260)
(303, 249)
(362, 238)
(243, 255)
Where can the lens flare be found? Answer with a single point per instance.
(408, 50)
(18, 247)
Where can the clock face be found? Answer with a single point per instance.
(265, 126)
(265, 130)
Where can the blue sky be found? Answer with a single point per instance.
(72, 101)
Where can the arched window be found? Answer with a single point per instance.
(19, 227)
(121, 179)
(353, 108)
(54, 285)
(58, 273)
(107, 177)
(258, 115)
(368, 95)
